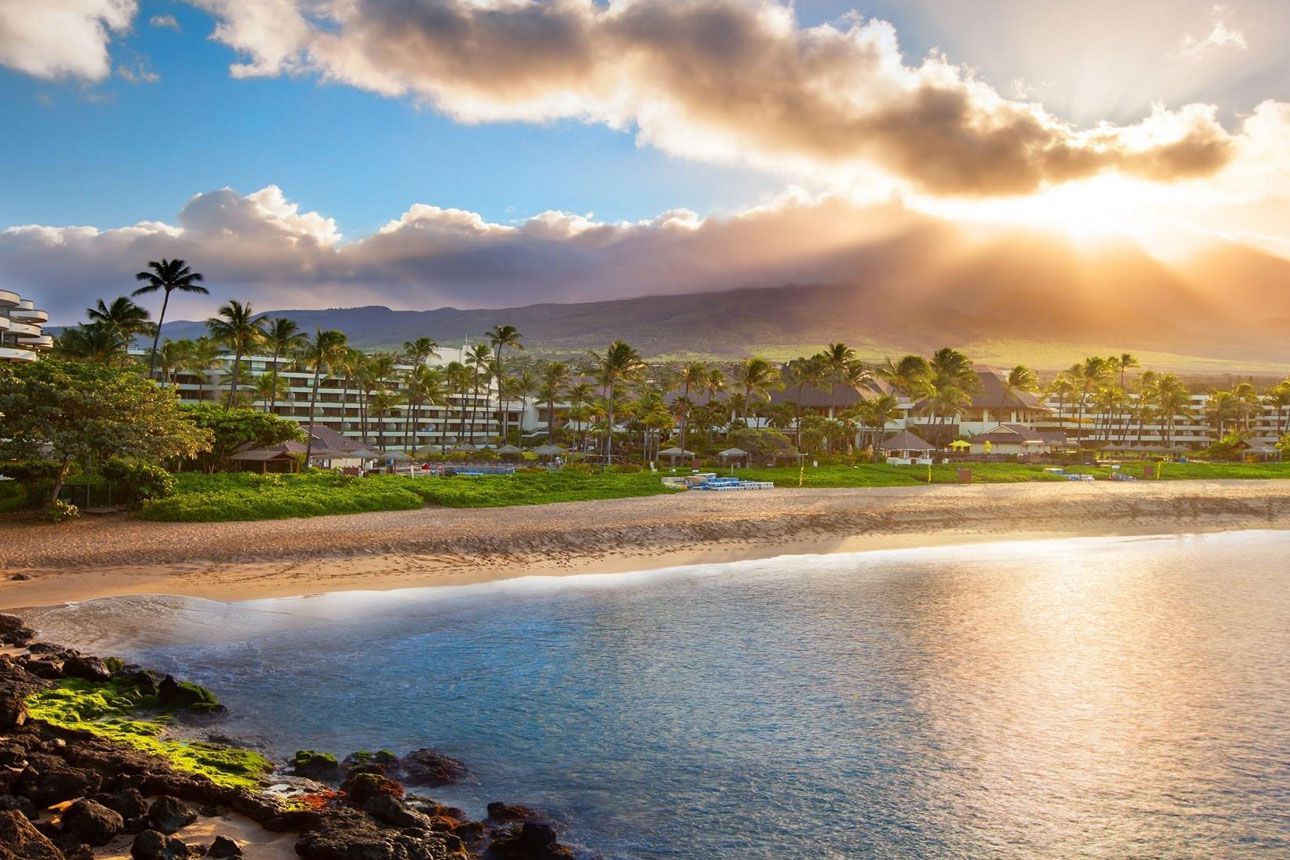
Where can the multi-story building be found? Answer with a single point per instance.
(21, 324)
(470, 418)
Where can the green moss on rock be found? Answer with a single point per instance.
(122, 712)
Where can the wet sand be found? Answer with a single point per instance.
(105, 556)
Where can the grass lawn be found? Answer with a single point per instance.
(249, 496)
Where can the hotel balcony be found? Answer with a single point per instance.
(10, 354)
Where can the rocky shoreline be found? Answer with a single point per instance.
(69, 794)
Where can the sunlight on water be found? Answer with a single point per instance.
(1075, 698)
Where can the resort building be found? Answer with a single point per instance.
(21, 329)
(342, 405)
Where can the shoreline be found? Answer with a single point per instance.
(433, 546)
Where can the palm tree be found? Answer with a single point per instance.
(501, 337)
(1021, 378)
(203, 357)
(424, 386)
(458, 381)
(1087, 376)
(758, 377)
(907, 375)
(171, 357)
(523, 385)
(283, 337)
(269, 388)
(555, 376)
(1279, 398)
(167, 275)
(1064, 390)
(95, 342)
(479, 358)
(947, 387)
(325, 350)
(235, 326)
(875, 414)
(123, 317)
(1247, 401)
(1172, 398)
(382, 406)
(618, 363)
(693, 375)
(580, 398)
(420, 349)
(1221, 408)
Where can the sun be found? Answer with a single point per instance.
(1092, 210)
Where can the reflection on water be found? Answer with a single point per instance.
(1077, 698)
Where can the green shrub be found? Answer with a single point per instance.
(138, 480)
(13, 496)
(60, 512)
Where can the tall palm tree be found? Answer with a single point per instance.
(619, 362)
(693, 375)
(580, 398)
(458, 381)
(523, 385)
(1172, 397)
(235, 326)
(283, 337)
(555, 376)
(425, 386)
(875, 414)
(503, 337)
(168, 276)
(419, 350)
(97, 343)
(268, 388)
(757, 377)
(1221, 408)
(905, 375)
(1087, 376)
(1062, 388)
(1247, 402)
(1021, 378)
(203, 357)
(947, 387)
(122, 316)
(479, 358)
(1279, 399)
(171, 357)
(325, 350)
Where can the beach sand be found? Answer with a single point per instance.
(105, 556)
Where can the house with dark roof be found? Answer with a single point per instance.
(994, 403)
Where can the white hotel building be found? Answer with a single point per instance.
(21, 324)
(463, 419)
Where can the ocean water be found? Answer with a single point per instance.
(1109, 698)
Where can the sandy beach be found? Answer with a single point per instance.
(98, 557)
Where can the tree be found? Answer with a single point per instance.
(74, 412)
(283, 338)
(458, 380)
(908, 376)
(97, 343)
(1279, 399)
(804, 373)
(234, 429)
(425, 385)
(555, 376)
(203, 357)
(479, 358)
(618, 363)
(1021, 378)
(234, 325)
(875, 414)
(757, 377)
(1064, 390)
(1173, 398)
(947, 387)
(1087, 376)
(523, 385)
(420, 350)
(320, 354)
(168, 276)
(123, 317)
(693, 375)
(171, 357)
(503, 337)
(268, 389)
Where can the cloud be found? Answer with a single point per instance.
(720, 80)
(164, 22)
(62, 38)
(263, 247)
(138, 73)
(1221, 38)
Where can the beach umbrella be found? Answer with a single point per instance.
(465, 447)
(960, 444)
(548, 450)
(510, 451)
(675, 452)
(732, 454)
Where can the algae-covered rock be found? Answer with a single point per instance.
(362, 787)
(187, 696)
(432, 768)
(315, 765)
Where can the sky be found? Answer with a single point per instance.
(486, 153)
